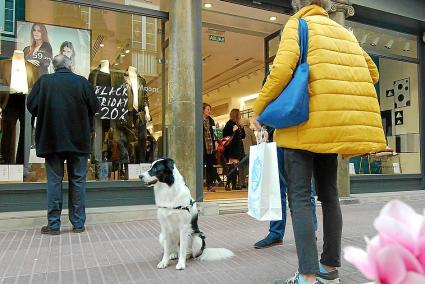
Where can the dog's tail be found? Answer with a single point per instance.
(212, 254)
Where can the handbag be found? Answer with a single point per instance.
(291, 107)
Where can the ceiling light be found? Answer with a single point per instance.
(208, 5)
(127, 51)
(102, 45)
(406, 46)
(122, 55)
(273, 18)
(364, 39)
(116, 63)
(389, 44)
(376, 41)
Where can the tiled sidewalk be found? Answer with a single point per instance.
(129, 252)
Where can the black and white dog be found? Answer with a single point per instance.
(178, 215)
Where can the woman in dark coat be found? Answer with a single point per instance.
(234, 152)
(211, 174)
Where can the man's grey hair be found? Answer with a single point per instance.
(299, 4)
(61, 61)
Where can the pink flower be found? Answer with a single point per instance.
(397, 254)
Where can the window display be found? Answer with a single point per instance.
(395, 56)
(119, 53)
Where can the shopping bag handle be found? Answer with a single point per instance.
(262, 135)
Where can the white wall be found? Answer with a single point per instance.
(390, 71)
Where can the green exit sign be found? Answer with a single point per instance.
(216, 38)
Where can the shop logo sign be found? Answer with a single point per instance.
(216, 38)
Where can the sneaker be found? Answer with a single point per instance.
(79, 230)
(268, 241)
(297, 279)
(326, 277)
(47, 231)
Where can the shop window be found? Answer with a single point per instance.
(395, 55)
(105, 48)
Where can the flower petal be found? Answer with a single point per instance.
(359, 258)
(414, 278)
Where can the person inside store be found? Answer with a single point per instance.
(64, 126)
(234, 152)
(39, 52)
(67, 49)
(344, 118)
(248, 141)
(211, 175)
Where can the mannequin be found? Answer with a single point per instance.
(132, 72)
(104, 66)
(18, 76)
(18, 80)
(138, 111)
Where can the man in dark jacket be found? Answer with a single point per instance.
(64, 105)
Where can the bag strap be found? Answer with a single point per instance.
(303, 38)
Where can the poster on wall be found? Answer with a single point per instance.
(399, 117)
(41, 43)
(402, 93)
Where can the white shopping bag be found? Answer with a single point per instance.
(264, 202)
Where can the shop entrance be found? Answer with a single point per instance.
(238, 45)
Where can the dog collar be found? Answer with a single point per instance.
(177, 208)
(181, 207)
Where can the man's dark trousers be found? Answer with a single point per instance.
(77, 171)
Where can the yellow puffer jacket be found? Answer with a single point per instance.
(345, 117)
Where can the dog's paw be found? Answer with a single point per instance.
(173, 256)
(163, 264)
(180, 265)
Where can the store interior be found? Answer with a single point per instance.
(233, 49)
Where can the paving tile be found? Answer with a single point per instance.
(129, 252)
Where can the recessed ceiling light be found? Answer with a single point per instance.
(208, 5)
(127, 51)
(102, 45)
(122, 55)
(273, 18)
(116, 63)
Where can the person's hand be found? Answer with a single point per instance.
(34, 62)
(257, 125)
(265, 136)
(235, 128)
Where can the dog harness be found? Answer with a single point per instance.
(180, 207)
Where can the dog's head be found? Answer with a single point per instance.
(161, 171)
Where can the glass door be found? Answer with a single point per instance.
(271, 45)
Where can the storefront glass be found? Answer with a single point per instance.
(121, 55)
(396, 55)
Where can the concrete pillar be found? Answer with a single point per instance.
(340, 10)
(185, 103)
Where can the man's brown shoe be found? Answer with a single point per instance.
(47, 231)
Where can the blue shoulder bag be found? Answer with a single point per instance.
(291, 107)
